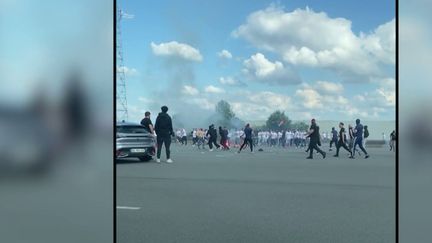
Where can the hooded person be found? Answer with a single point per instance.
(212, 134)
(164, 131)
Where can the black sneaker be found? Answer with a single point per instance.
(367, 156)
(351, 157)
(309, 157)
(335, 155)
(324, 155)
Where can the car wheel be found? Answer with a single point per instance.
(145, 158)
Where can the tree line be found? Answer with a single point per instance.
(277, 121)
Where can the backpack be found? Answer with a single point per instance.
(366, 133)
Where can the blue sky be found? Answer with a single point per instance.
(328, 60)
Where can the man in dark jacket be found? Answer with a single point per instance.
(342, 141)
(213, 137)
(164, 131)
(314, 136)
(248, 138)
(224, 138)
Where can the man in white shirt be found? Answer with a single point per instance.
(194, 137)
(184, 136)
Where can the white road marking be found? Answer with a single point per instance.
(130, 208)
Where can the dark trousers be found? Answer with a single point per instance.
(212, 141)
(314, 145)
(359, 141)
(333, 141)
(163, 140)
(343, 145)
(247, 141)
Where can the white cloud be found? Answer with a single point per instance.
(201, 102)
(311, 98)
(322, 95)
(190, 90)
(382, 42)
(258, 105)
(329, 87)
(225, 54)
(384, 96)
(146, 100)
(177, 50)
(380, 98)
(259, 68)
(230, 81)
(214, 90)
(130, 72)
(307, 38)
(126, 15)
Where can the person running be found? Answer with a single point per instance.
(314, 136)
(178, 136)
(283, 139)
(194, 137)
(227, 138)
(334, 138)
(147, 123)
(212, 134)
(342, 141)
(164, 131)
(200, 138)
(224, 138)
(393, 141)
(184, 136)
(351, 137)
(247, 139)
(358, 133)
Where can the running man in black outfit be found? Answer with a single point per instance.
(164, 131)
(342, 141)
(247, 139)
(334, 138)
(213, 137)
(314, 136)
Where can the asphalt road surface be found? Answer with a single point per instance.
(271, 196)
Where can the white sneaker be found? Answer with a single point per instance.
(211, 150)
(157, 160)
(169, 161)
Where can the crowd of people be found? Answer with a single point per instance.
(352, 140)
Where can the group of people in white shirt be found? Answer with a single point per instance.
(288, 138)
(181, 136)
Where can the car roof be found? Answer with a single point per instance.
(124, 123)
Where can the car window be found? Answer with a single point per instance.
(131, 129)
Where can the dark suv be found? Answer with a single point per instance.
(133, 140)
